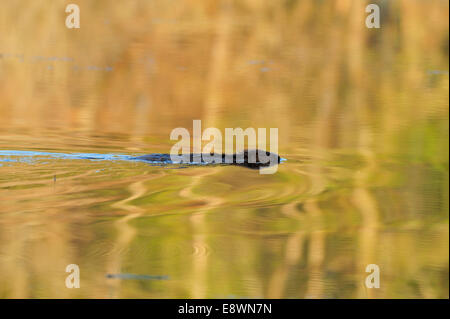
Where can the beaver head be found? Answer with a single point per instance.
(252, 158)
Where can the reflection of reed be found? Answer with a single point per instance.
(126, 233)
(45, 241)
(199, 285)
(12, 263)
(218, 63)
(213, 101)
(293, 253)
(322, 140)
(362, 198)
(316, 256)
(366, 205)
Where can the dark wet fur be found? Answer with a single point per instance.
(247, 158)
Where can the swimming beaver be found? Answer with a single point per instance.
(247, 158)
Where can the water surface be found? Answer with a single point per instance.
(363, 123)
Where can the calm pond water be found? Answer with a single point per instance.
(363, 122)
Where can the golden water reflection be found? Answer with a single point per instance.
(362, 118)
